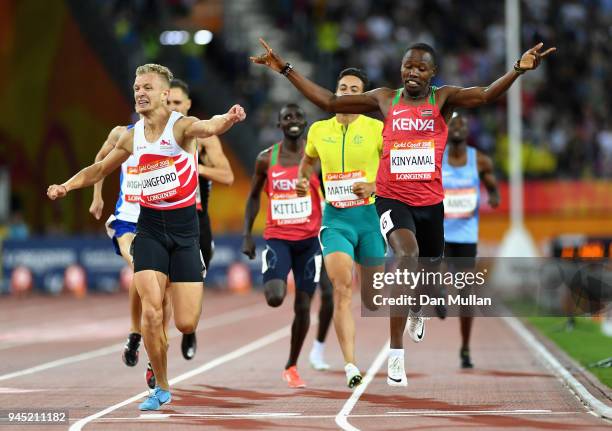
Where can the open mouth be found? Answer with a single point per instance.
(294, 129)
(412, 83)
(142, 102)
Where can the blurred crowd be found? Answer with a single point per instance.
(566, 107)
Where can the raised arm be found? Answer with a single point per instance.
(94, 173)
(457, 97)
(253, 203)
(217, 125)
(97, 203)
(323, 98)
(216, 167)
(487, 176)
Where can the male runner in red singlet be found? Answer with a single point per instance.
(167, 244)
(291, 233)
(409, 191)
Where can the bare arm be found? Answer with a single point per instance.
(217, 125)
(305, 171)
(487, 176)
(476, 96)
(216, 167)
(94, 173)
(97, 204)
(323, 98)
(253, 203)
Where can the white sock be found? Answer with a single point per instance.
(318, 347)
(396, 353)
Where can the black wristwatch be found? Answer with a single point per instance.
(517, 67)
(285, 70)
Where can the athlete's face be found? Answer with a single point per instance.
(178, 101)
(417, 70)
(457, 129)
(150, 92)
(349, 84)
(292, 121)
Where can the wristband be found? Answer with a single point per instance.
(518, 69)
(285, 70)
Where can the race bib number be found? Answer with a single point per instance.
(413, 161)
(159, 180)
(290, 209)
(339, 189)
(460, 203)
(132, 184)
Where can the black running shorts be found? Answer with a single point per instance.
(169, 242)
(426, 222)
(207, 246)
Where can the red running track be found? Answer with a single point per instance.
(64, 353)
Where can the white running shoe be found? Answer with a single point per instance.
(396, 375)
(317, 362)
(353, 376)
(416, 328)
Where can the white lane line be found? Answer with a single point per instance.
(296, 415)
(248, 348)
(342, 416)
(552, 363)
(213, 322)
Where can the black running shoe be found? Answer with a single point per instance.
(466, 362)
(150, 377)
(189, 345)
(130, 351)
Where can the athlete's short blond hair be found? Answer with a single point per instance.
(162, 71)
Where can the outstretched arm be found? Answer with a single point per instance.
(253, 203)
(94, 173)
(457, 97)
(97, 203)
(487, 175)
(217, 125)
(216, 167)
(323, 98)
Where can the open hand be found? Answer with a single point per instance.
(56, 191)
(269, 58)
(532, 57)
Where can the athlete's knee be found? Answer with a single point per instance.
(152, 316)
(274, 291)
(341, 279)
(407, 251)
(302, 303)
(186, 327)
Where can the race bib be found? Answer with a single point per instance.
(339, 189)
(290, 209)
(460, 203)
(132, 184)
(413, 161)
(159, 180)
